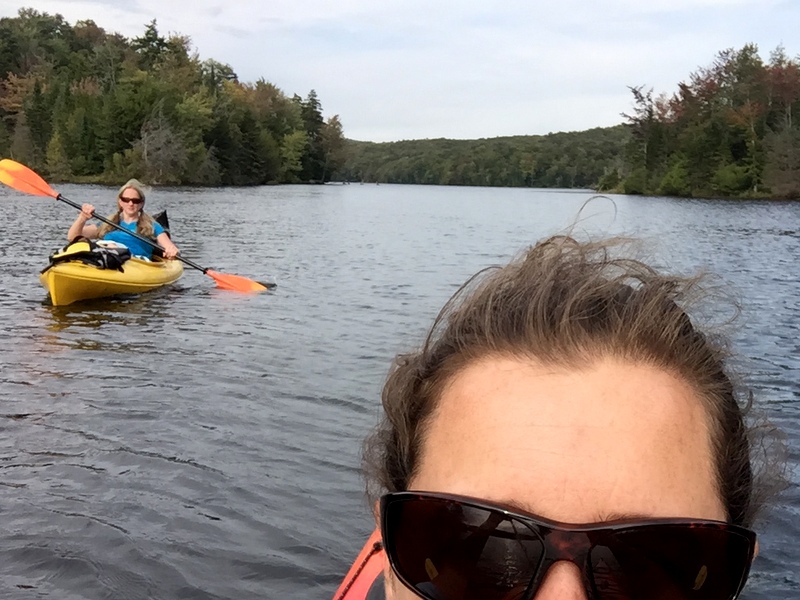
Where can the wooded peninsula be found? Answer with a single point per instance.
(81, 104)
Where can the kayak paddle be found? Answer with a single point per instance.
(24, 179)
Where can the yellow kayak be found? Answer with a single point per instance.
(70, 281)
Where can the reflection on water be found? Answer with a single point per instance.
(95, 313)
(197, 443)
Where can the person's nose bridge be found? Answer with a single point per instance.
(562, 580)
(572, 546)
(557, 579)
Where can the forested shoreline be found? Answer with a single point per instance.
(729, 131)
(557, 160)
(78, 103)
(81, 104)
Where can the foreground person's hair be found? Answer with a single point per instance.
(566, 303)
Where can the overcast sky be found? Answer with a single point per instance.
(459, 69)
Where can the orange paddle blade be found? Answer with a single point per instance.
(22, 179)
(236, 283)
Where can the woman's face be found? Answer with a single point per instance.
(614, 440)
(130, 209)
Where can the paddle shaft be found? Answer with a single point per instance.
(23, 179)
(135, 234)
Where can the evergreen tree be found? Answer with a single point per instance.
(313, 161)
(150, 47)
(38, 115)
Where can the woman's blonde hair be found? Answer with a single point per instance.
(145, 225)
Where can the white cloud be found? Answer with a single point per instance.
(652, 6)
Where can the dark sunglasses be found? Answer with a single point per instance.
(133, 200)
(448, 547)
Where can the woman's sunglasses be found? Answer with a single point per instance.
(455, 548)
(133, 200)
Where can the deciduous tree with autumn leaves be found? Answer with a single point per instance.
(730, 130)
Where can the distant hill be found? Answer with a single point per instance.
(562, 160)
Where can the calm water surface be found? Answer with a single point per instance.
(196, 443)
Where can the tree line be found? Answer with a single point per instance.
(556, 160)
(78, 103)
(730, 130)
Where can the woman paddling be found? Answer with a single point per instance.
(566, 431)
(131, 216)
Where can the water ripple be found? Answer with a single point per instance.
(194, 443)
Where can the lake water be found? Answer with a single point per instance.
(197, 443)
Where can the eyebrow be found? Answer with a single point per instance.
(600, 517)
(623, 516)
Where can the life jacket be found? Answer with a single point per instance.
(90, 252)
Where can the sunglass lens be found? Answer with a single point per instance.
(445, 550)
(680, 562)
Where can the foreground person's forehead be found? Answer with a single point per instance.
(614, 439)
